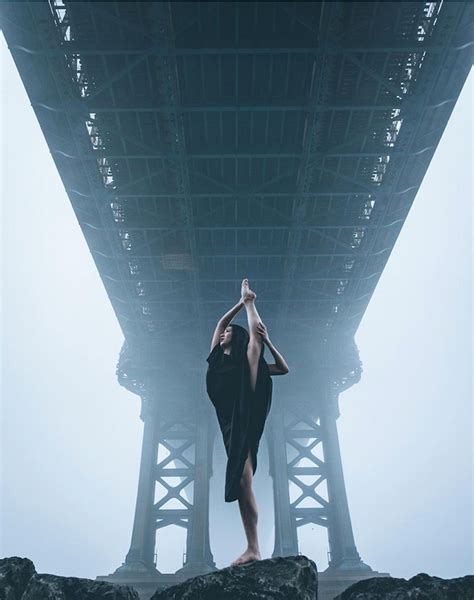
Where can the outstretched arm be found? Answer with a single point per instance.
(224, 321)
(230, 314)
(280, 367)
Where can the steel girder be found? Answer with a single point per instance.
(308, 484)
(173, 489)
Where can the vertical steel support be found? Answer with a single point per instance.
(286, 539)
(181, 437)
(199, 557)
(343, 550)
(299, 431)
(141, 553)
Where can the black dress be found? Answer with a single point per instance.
(241, 413)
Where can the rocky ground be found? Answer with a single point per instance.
(289, 578)
(294, 577)
(420, 587)
(20, 581)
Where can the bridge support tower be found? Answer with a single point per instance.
(305, 467)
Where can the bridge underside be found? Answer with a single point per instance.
(203, 142)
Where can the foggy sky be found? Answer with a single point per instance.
(71, 435)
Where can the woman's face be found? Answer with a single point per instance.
(226, 337)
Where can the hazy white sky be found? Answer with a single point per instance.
(71, 435)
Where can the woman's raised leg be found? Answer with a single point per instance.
(255, 344)
(247, 502)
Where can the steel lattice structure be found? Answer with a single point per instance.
(202, 142)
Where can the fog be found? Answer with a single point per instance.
(71, 435)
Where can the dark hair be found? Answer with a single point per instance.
(239, 343)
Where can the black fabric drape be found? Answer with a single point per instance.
(241, 413)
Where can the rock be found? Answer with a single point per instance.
(288, 578)
(15, 573)
(54, 587)
(420, 587)
(19, 581)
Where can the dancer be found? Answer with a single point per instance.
(239, 386)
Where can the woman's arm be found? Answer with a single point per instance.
(224, 321)
(280, 367)
(229, 315)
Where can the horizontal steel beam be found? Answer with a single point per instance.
(147, 301)
(237, 194)
(172, 512)
(238, 155)
(305, 512)
(72, 48)
(174, 472)
(257, 280)
(303, 433)
(218, 228)
(270, 106)
(262, 254)
(299, 471)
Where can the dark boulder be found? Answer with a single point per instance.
(289, 578)
(19, 581)
(420, 587)
(15, 573)
(54, 587)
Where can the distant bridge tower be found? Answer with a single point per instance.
(298, 428)
(187, 441)
(295, 429)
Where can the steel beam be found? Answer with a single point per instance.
(245, 155)
(270, 106)
(343, 552)
(72, 48)
(286, 538)
(140, 556)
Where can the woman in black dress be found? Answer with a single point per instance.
(239, 385)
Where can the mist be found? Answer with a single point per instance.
(71, 435)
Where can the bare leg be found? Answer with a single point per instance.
(249, 513)
(255, 344)
(247, 502)
(253, 318)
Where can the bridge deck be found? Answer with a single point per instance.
(202, 142)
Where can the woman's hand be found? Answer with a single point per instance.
(262, 330)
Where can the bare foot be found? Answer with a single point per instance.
(247, 556)
(247, 294)
(244, 288)
(250, 296)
